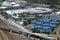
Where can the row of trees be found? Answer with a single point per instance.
(50, 2)
(45, 1)
(2, 0)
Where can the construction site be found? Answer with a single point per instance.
(20, 20)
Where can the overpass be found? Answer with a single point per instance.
(35, 35)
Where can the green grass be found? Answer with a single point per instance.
(2, 0)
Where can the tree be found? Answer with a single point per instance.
(2, 0)
(50, 2)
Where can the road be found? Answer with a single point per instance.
(58, 31)
(10, 23)
(8, 35)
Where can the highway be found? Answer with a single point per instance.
(58, 32)
(14, 30)
(12, 26)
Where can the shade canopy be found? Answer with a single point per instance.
(39, 23)
(48, 31)
(38, 26)
(34, 22)
(40, 29)
(47, 27)
(53, 25)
